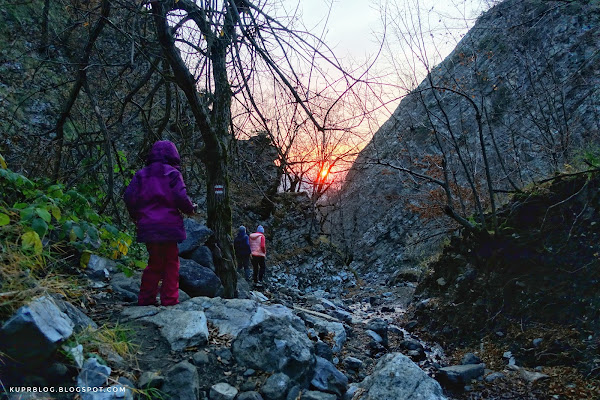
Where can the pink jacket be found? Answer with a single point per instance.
(257, 244)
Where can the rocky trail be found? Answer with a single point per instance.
(345, 337)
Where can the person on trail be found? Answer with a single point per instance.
(258, 249)
(241, 244)
(156, 199)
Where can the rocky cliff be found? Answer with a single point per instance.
(521, 85)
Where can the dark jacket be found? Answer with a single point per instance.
(241, 244)
(156, 196)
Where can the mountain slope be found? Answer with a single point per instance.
(521, 85)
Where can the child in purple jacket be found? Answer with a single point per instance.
(155, 199)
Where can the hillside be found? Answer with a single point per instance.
(521, 85)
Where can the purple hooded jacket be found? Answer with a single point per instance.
(156, 197)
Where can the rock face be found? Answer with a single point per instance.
(509, 62)
(276, 345)
(35, 331)
(396, 377)
(196, 280)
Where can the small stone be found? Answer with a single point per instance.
(537, 342)
(276, 387)
(494, 376)
(441, 282)
(200, 358)
(249, 372)
(353, 363)
(223, 391)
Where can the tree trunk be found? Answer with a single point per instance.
(214, 127)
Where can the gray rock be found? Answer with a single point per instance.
(373, 335)
(100, 267)
(277, 344)
(203, 256)
(327, 328)
(396, 377)
(276, 387)
(494, 376)
(151, 379)
(224, 354)
(380, 327)
(353, 363)
(294, 393)
(222, 391)
(314, 395)
(328, 379)
(531, 376)
(126, 287)
(197, 280)
(180, 328)
(200, 358)
(78, 317)
(93, 374)
(250, 396)
(470, 358)
(537, 342)
(35, 331)
(352, 389)
(342, 315)
(460, 374)
(196, 233)
(182, 382)
(322, 349)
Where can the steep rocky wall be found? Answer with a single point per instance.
(531, 69)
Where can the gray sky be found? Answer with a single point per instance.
(354, 28)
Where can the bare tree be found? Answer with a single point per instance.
(227, 47)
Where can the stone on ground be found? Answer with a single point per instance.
(396, 377)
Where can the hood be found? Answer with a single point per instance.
(164, 152)
(255, 235)
(241, 231)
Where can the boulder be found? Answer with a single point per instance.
(397, 377)
(276, 387)
(182, 382)
(203, 256)
(222, 391)
(181, 328)
(35, 331)
(196, 280)
(328, 379)
(196, 233)
(277, 344)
